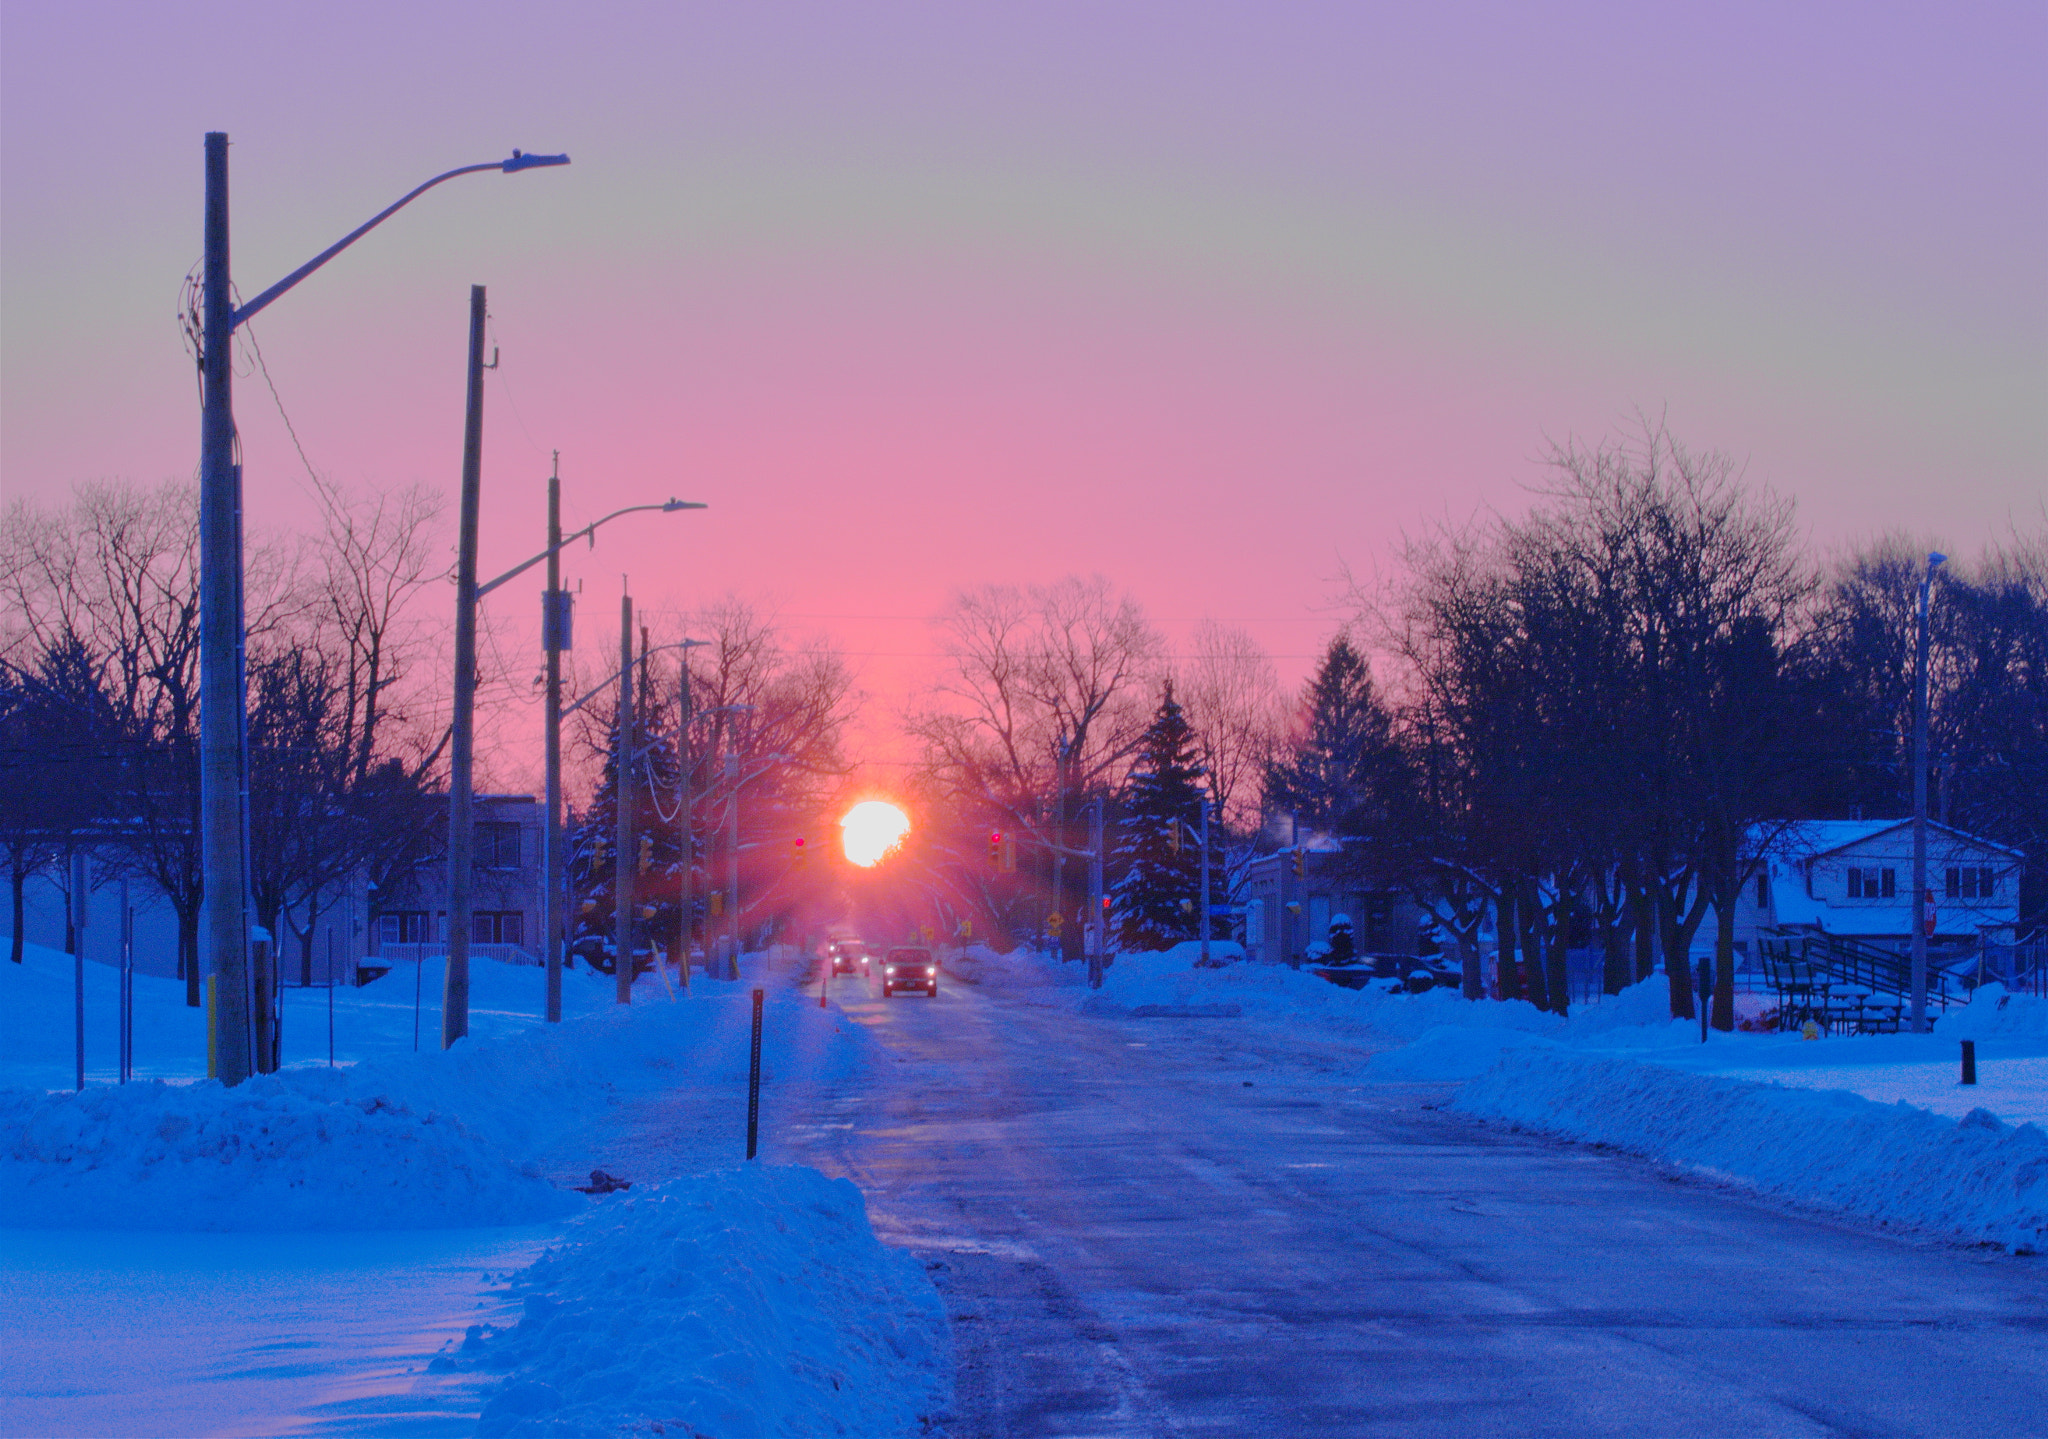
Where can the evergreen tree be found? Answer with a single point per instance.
(1343, 773)
(592, 859)
(1157, 863)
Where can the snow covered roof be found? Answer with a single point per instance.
(1812, 838)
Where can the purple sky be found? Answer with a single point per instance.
(1212, 299)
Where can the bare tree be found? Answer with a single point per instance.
(1232, 698)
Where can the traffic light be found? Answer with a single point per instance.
(995, 849)
(1009, 863)
(1300, 864)
(801, 852)
(646, 853)
(717, 902)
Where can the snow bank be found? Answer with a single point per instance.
(260, 1156)
(1994, 1014)
(411, 1141)
(1452, 1052)
(1974, 1178)
(752, 1301)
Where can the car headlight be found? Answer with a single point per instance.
(930, 969)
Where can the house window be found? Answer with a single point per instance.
(497, 844)
(1872, 882)
(1972, 882)
(497, 927)
(406, 926)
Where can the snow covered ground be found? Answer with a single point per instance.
(290, 1255)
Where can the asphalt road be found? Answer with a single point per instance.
(1202, 1226)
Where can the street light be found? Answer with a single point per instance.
(223, 718)
(555, 637)
(1935, 561)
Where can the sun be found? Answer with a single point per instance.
(871, 829)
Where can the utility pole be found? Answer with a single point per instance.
(555, 636)
(622, 793)
(462, 750)
(732, 855)
(1205, 882)
(683, 822)
(1919, 940)
(224, 949)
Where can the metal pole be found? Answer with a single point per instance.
(622, 793)
(732, 857)
(687, 839)
(127, 985)
(330, 995)
(79, 876)
(1205, 882)
(462, 751)
(1919, 937)
(754, 1083)
(555, 635)
(224, 927)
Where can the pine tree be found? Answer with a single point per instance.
(593, 861)
(1157, 861)
(1342, 773)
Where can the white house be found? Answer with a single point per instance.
(1855, 878)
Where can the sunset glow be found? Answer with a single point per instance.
(871, 829)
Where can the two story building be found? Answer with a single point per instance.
(1855, 878)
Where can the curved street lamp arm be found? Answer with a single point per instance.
(524, 565)
(607, 684)
(517, 162)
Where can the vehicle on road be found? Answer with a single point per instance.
(909, 967)
(849, 956)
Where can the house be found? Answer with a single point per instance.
(1290, 898)
(1855, 878)
(409, 919)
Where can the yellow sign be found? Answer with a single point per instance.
(1054, 921)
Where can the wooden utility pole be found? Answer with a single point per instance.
(684, 826)
(555, 637)
(622, 793)
(462, 749)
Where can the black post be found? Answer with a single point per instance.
(1969, 1061)
(1706, 992)
(754, 1083)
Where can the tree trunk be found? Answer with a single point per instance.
(1676, 970)
(1723, 1016)
(1614, 976)
(1559, 960)
(19, 877)
(1509, 971)
(188, 949)
(1529, 910)
(1643, 914)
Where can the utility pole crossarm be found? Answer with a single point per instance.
(517, 162)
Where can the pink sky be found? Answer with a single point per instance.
(1212, 299)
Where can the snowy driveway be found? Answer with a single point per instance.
(1135, 1240)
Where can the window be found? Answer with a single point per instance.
(497, 844)
(1871, 882)
(1972, 882)
(1763, 891)
(407, 926)
(497, 927)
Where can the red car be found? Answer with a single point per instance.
(909, 968)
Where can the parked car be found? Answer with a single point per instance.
(909, 967)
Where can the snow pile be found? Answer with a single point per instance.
(260, 1156)
(1452, 1052)
(1975, 1178)
(411, 1141)
(1994, 1014)
(750, 1301)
